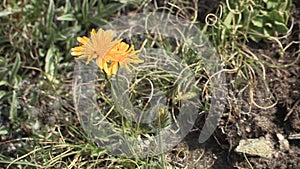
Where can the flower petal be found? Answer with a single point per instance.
(93, 32)
(83, 40)
(114, 68)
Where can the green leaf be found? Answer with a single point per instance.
(98, 20)
(228, 20)
(15, 68)
(66, 17)
(50, 14)
(254, 35)
(281, 28)
(2, 94)
(2, 60)
(85, 9)
(268, 32)
(276, 16)
(104, 12)
(271, 5)
(50, 63)
(3, 132)
(68, 6)
(4, 83)
(68, 33)
(13, 105)
(257, 22)
(110, 9)
(3, 70)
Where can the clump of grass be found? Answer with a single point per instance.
(158, 88)
(36, 86)
(234, 26)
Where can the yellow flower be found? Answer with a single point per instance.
(97, 47)
(109, 54)
(123, 55)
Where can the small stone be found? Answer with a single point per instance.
(283, 143)
(257, 147)
(280, 136)
(248, 129)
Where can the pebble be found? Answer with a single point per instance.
(257, 147)
(283, 143)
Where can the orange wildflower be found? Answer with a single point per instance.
(122, 55)
(109, 54)
(99, 44)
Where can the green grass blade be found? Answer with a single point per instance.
(50, 14)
